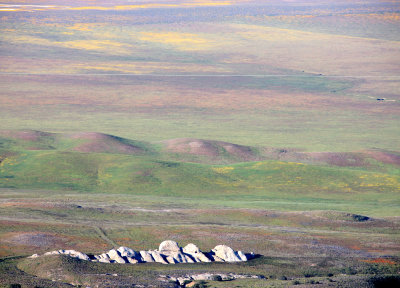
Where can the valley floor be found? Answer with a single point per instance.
(293, 247)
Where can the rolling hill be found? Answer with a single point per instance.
(192, 168)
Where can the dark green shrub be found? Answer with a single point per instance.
(309, 274)
(282, 278)
(295, 282)
(350, 271)
(385, 281)
(360, 218)
(15, 285)
(201, 284)
(216, 278)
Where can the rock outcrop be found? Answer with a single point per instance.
(169, 252)
(181, 280)
(71, 253)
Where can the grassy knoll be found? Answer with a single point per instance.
(146, 175)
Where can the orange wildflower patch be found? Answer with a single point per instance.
(380, 261)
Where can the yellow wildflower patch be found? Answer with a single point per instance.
(182, 41)
(223, 170)
(81, 27)
(155, 5)
(105, 46)
(91, 44)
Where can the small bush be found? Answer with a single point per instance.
(385, 281)
(350, 271)
(15, 285)
(360, 218)
(330, 274)
(201, 284)
(216, 278)
(308, 274)
(282, 278)
(295, 282)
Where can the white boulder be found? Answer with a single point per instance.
(71, 253)
(167, 247)
(146, 256)
(195, 253)
(227, 254)
(242, 256)
(180, 257)
(114, 255)
(158, 257)
(169, 253)
(132, 260)
(128, 252)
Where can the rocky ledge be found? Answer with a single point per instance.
(182, 280)
(169, 252)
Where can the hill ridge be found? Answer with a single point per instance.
(186, 149)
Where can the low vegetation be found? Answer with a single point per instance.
(306, 220)
(268, 126)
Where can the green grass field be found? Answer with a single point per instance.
(268, 126)
(92, 192)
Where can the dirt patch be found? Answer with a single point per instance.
(27, 135)
(384, 156)
(33, 239)
(339, 159)
(191, 146)
(210, 148)
(103, 143)
(89, 136)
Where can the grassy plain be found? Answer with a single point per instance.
(288, 79)
(311, 88)
(92, 192)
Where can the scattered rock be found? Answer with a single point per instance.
(183, 280)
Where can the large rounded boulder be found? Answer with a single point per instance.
(169, 247)
(227, 254)
(195, 253)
